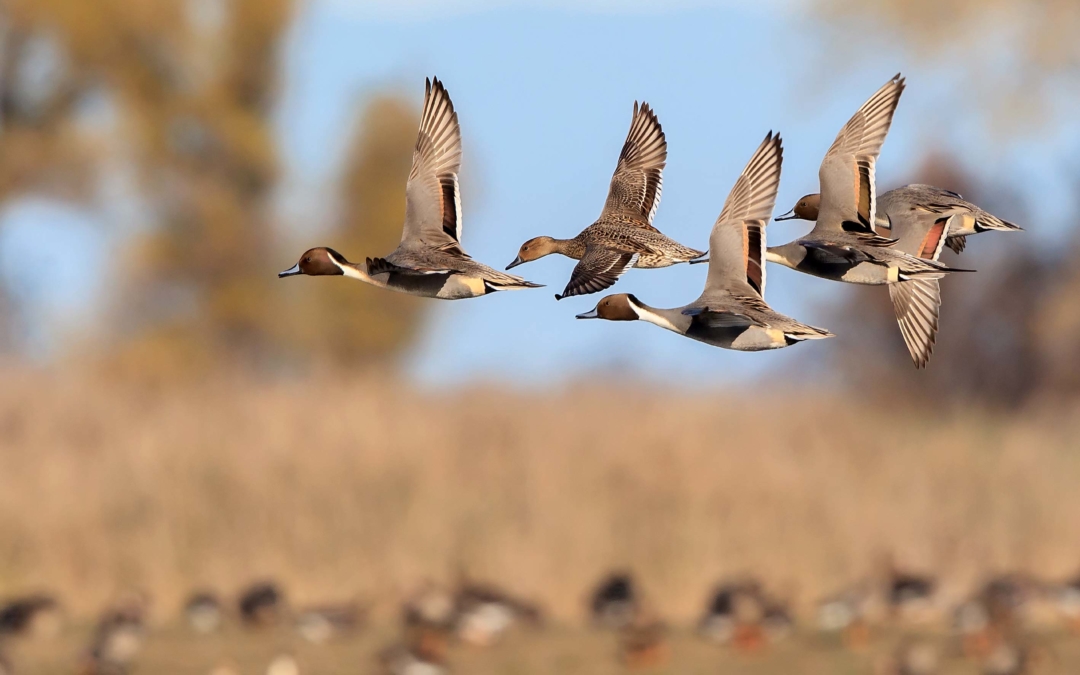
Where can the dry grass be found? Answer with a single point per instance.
(556, 651)
(362, 487)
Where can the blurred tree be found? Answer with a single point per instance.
(192, 85)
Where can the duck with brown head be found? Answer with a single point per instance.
(805, 209)
(623, 236)
(844, 246)
(430, 260)
(731, 312)
(317, 262)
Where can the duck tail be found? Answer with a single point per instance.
(801, 332)
(509, 285)
(925, 268)
(988, 221)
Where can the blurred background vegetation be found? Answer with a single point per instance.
(181, 97)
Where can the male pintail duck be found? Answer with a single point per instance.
(204, 612)
(623, 236)
(38, 615)
(484, 613)
(643, 643)
(429, 261)
(731, 312)
(322, 623)
(944, 210)
(844, 246)
(923, 219)
(261, 604)
(614, 602)
(118, 637)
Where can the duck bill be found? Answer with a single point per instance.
(790, 215)
(591, 314)
(517, 261)
(291, 272)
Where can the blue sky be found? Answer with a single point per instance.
(544, 95)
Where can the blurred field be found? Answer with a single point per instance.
(359, 487)
(556, 650)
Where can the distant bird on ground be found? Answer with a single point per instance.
(851, 614)
(731, 312)
(742, 615)
(34, 615)
(428, 615)
(623, 236)
(203, 612)
(924, 220)
(910, 596)
(484, 613)
(643, 643)
(323, 623)
(614, 603)
(718, 622)
(995, 615)
(118, 637)
(261, 604)
(843, 246)
(1067, 598)
(430, 260)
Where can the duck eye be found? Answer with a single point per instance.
(307, 260)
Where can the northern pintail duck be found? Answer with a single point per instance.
(911, 597)
(429, 615)
(261, 604)
(623, 236)
(936, 211)
(731, 312)
(923, 219)
(643, 643)
(740, 613)
(203, 612)
(429, 261)
(32, 615)
(843, 246)
(322, 623)
(118, 637)
(484, 613)
(614, 601)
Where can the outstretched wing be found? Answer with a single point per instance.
(737, 242)
(848, 190)
(432, 196)
(598, 269)
(917, 303)
(635, 188)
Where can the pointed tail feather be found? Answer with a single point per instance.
(988, 221)
(802, 332)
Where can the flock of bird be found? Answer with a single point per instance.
(996, 626)
(895, 240)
